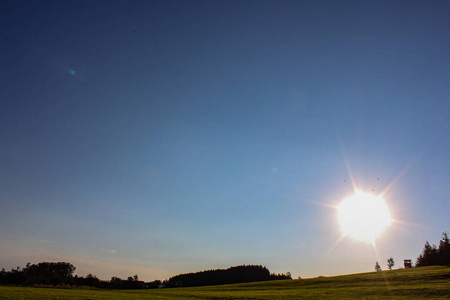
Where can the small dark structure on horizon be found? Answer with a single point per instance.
(407, 263)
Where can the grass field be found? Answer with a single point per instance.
(416, 283)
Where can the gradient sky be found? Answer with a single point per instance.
(163, 137)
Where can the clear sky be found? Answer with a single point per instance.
(163, 137)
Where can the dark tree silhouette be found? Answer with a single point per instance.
(153, 284)
(428, 257)
(231, 275)
(432, 255)
(53, 273)
(444, 250)
(390, 263)
(91, 280)
(16, 277)
(132, 282)
(377, 267)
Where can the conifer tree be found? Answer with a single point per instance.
(377, 267)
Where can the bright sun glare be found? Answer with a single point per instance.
(363, 216)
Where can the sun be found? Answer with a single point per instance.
(363, 216)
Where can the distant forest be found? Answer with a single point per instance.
(61, 273)
(236, 274)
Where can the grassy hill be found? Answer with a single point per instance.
(415, 283)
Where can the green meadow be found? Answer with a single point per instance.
(416, 283)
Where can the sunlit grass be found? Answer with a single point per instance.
(417, 283)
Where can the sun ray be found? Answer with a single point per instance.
(407, 167)
(319, 203)
(386, 281)
(350, 173)
(412, 224)
(355, 188)
(338, 241)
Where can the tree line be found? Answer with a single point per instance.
(61, 274)
(237, 274)
(431, 255)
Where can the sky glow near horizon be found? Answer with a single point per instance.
(199, 135)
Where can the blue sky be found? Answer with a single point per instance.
(163, 137)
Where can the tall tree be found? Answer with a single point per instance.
(444, 249)
(428, 257)
(377, 267)
(390, 263)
